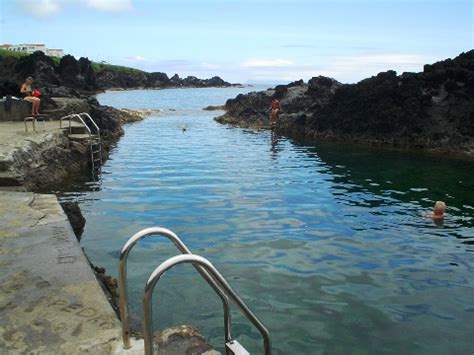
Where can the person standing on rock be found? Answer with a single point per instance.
(276, 108)
(26, 92)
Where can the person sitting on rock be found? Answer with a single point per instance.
(438, 211)
(26, 92)
(276, 108)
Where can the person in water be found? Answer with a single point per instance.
(276, 109)
(26, 92)
(438, 210)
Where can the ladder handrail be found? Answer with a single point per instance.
(70, 117)
(203, 262)
(123, 286)
(93, 122)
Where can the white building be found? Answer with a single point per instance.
(54, 52)
(29, 48)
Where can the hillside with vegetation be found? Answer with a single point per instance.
(71, 77)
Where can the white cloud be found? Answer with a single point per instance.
(48, 8)
(266, 63)
(347, 69)
(110, 5)
(41, 8)
(355, 68)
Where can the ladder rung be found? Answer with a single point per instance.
(236, 348)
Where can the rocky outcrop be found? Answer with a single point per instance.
(253, 109)
(73, 78)
(14, 110)
(74, 214)
(77, 74)
(112, 79)
(431, 110)
(43, 163)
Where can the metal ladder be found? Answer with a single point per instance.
(208, 272)
(94, 139)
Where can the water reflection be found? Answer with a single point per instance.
(326, 243)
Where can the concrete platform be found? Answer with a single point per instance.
(50, 301)
(13, 135)
(21, 150)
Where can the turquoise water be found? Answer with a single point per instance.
(324, 242)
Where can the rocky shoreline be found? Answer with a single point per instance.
(78, 78)
(432, 110)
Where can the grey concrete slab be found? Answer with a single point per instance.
(50, 301)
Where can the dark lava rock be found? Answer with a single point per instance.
(74, 214)
(432, 110)
(157, 79)
(39, 66)
(108, 120)
(175, 80)
(107, 79)
(73, 78)
(77, 74)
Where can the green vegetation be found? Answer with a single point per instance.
(97, 67)
(7, 53)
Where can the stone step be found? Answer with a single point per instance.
(5, 165)
(7, 178)
(13, 188)
(78, 130)
(81, 137)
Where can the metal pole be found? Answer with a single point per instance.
(199, 260)
(123, 287)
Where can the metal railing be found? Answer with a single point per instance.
(94, 139)
(70, 118)
(196, 260)
(123, 286)
(85, 114)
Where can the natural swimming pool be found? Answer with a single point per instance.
(324, 242)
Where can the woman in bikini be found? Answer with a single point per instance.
(26, 92)
(276, 108)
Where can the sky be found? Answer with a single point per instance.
(248, 41)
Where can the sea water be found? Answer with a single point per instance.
(326, 243)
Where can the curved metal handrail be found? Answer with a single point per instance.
(70, 117)
(204, 263)
(123, 287)
(93, 122)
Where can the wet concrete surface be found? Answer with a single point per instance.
(50, 301)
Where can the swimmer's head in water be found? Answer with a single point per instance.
(439, 206)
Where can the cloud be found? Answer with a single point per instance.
(110, 5)
(41, 8)
(349, 68)
(266, 63)
(355, 68)
(344, 68)
(49, 8)
(138, 58)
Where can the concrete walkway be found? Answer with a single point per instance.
(50, 301)
(13, 135)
